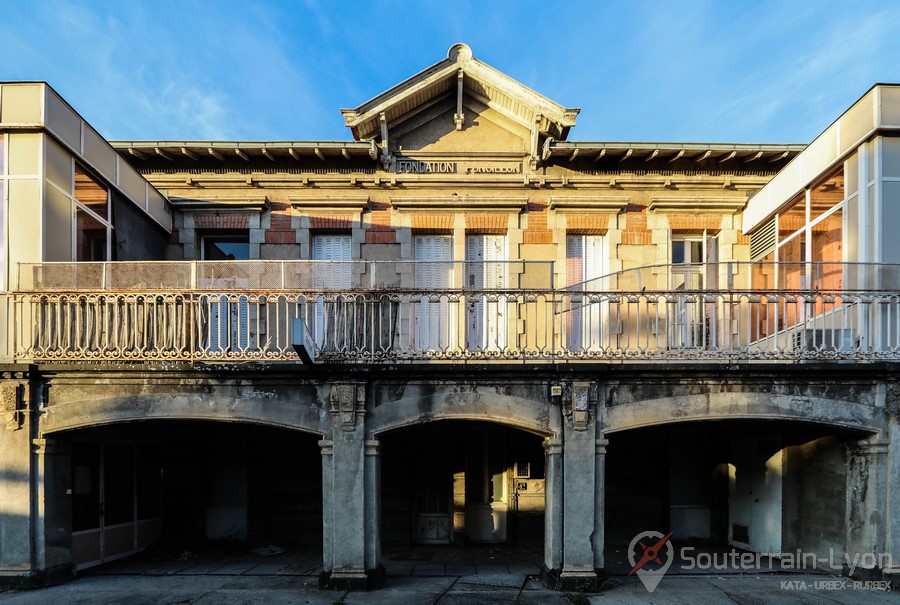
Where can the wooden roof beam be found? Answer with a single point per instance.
(627, 155)
(266, 153)
(753, 158)
(677, 156)
(319, 154)
(162, 154)
(215, 154)
(705, 155)
(345, 153)
(778, 157)
(241, 155)
(728, 157)
(189, 153)
(600, 155)
(652, 155)
(138, 154)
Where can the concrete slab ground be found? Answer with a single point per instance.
(423, 575)
(273, 589)
(448, 590)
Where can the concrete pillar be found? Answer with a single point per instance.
(16, 506)
(53, 508)
(892, 525)
(867, 507)
(373, 504)
(598, 539)
(350, 503)
(579, 502)
(553, 512)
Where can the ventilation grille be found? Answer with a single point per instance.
(762, 242)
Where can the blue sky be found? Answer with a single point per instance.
(704, 70)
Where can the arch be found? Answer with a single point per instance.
(121, 409)
(736, 406)
(515, 412)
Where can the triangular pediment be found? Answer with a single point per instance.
(484, 130)
(469, 88)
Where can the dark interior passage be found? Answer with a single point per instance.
(761, 486)
(455, 482)
(191, 486)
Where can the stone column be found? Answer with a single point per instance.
(373, 504)
(579, 497)
(351, 550)
(16, 557)
(53, 509)
(893, 509)
(553, 513)
(598, 540)
(867, 506)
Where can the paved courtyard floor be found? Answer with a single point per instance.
(423, 575)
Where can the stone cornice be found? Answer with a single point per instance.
(493, 204)
(600, 204)
(699, 204)
(250, 201)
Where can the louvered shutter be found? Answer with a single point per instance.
(433, 271)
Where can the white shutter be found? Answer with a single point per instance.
(585, 263)
(486, 269)
(574, 259)
(594, 260)
(331, 276)
(433, 271)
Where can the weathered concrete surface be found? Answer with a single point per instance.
(519, 404)
(469, 590)
(90, 398)
(639, 404)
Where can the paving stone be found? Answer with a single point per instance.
(429, 570)
(199, 570)
(168, 569)
(460, 570)
(233, 569)
(502, 580)
(398, 569)
(437, 584)
(491, 569)
(481, 597)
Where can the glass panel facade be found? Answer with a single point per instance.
(826, 195)
(91, 194)
(827, 252)
(91, 237)
(890, 150)
(792, 219)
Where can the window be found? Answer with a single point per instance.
(692, 321)
(231, 324)
(693, 259)
(93, 228)
(225, 247)
(587, 317)
(433, 272)
(486, 270)
(333, 322)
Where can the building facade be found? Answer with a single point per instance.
(458, 327)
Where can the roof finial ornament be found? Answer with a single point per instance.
(459, 53)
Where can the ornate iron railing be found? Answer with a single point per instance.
(199, 322)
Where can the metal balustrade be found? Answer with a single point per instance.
(210, 317)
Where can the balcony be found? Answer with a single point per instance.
(404, 311)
